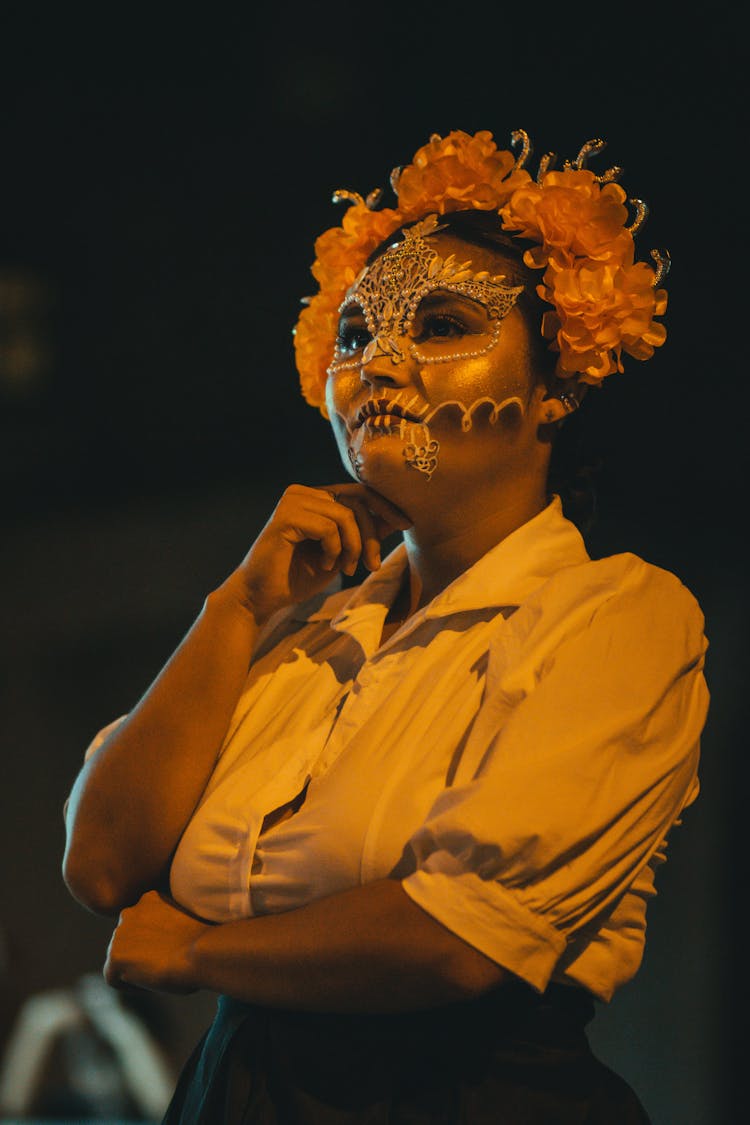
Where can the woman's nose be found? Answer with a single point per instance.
(387, 362)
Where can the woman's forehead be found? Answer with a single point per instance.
(480, 258)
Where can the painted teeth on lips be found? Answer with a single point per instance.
(374, 407)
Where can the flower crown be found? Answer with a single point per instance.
(602, 301)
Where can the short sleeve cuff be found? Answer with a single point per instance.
(488, 917)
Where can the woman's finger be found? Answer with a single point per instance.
(319, 528)
(351, 537)
(393, 516)
(323, 503)
(374, 501)
(377, 518)
(308, 514)
(368, 530)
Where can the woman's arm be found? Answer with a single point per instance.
(135, 795)
(369, 949)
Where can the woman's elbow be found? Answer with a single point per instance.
(93, 886)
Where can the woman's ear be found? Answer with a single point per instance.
(560, 400)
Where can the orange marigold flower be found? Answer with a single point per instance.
(571, 215)
(601, 310)
(458, 172)
(314, 336)
(601, 302)
(341, 251)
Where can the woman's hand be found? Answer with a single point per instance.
(152, 947)
(312, 533)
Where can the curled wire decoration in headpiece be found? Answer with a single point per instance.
(641, 214)
(587, 150)
(611, 175)
(521, 137)
(546, 164)
(663, 264)
(593, 148)
(590, 148)
(574, 223)
(341, 195)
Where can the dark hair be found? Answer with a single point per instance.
(572, 469)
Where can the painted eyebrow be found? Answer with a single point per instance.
(439, 297)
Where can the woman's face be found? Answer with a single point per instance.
(434, 392)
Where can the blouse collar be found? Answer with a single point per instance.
(505, 576)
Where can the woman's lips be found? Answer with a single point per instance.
(379, 414)
(384, 421)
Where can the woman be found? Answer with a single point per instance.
(411, 845)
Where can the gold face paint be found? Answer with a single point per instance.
(400, 286)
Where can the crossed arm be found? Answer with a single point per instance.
(368, 949)
(624, 756)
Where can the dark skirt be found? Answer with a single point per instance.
(510, 1057)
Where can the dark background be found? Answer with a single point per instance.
(162, 179)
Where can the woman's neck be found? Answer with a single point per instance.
(439, 551)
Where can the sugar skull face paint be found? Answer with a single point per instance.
(421, 361)
(391, 294)
(388, 415)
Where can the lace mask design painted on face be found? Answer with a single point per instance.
(387, 414)
(389, 294)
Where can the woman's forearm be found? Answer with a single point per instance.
(371, 949)
(133, 798)
(368, 949)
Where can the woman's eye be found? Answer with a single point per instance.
(440, 325)
(352, 338)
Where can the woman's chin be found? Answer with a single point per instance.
(372, 453)
(380, 463)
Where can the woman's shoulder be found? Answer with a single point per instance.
(629, 573)
(627, 567)
(625, 583)
(596, 617)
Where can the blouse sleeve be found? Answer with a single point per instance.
(578, 785)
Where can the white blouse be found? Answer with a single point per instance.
(515, 754)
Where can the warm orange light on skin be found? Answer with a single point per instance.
(491, 476)
(480, 408)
